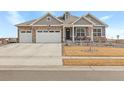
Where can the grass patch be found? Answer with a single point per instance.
(98, 51)
(93, 62)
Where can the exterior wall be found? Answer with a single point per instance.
(60, 28)
(24, 28)
(33, 35)
(82, 21)
(45, 21)
(101, 38)
(47, 28)
(18, 36)
(103, 32)
(94, 20)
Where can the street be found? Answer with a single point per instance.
(54, 75)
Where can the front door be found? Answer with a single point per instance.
(68, 33)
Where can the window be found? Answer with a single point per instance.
(48, 18)
(22, 31)
(39, 31)
(28, 31)
(80, 32)
(51, 31)
(97, 32)
(45, 31)
(57, 31)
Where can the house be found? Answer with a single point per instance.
(51, 29)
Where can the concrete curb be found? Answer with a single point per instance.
(70, 57)
(62, 68)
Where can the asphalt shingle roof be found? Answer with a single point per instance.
(27, 22)
(69, 21)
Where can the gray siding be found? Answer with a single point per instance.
(82, 21)
(103, 31)
(45, 21)
(94, 20)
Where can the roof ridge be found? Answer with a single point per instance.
(84, 18)
(96, 18)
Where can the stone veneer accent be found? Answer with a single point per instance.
(33, 35)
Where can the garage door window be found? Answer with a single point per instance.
(45, 31)
(51, 31)
(57, 31)
(28, 31)
(22, 31)
(39, 31)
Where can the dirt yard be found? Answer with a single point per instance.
(96, 51)
(93, 62)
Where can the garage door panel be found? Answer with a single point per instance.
(25, 38)
(48, 37)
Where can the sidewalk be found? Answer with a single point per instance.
(76, 57)
(62, 68)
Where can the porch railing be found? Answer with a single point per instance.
(86, 39)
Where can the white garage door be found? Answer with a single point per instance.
(25, 37)
(48, 36)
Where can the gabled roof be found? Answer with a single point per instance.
(71, 19)
(48, 14)
(27, 23)
(95, 20)
(61, 20)
(32, 22)
(84, 18)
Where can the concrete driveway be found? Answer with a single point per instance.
(30, 54)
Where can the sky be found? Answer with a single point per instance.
(115, 20)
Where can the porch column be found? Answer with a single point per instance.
(73, 40)
(91, 34)
(63, 34)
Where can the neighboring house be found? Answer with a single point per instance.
(62, 29)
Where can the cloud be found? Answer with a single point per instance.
(106, 17)
(14, 17)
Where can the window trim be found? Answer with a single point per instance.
(97, 29)
(80, 31)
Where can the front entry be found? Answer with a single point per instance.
(68, 33)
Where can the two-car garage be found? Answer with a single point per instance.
(42, 36)
(46, 29)
(45, 36)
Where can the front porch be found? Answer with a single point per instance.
(82, 34)
(77, 34)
